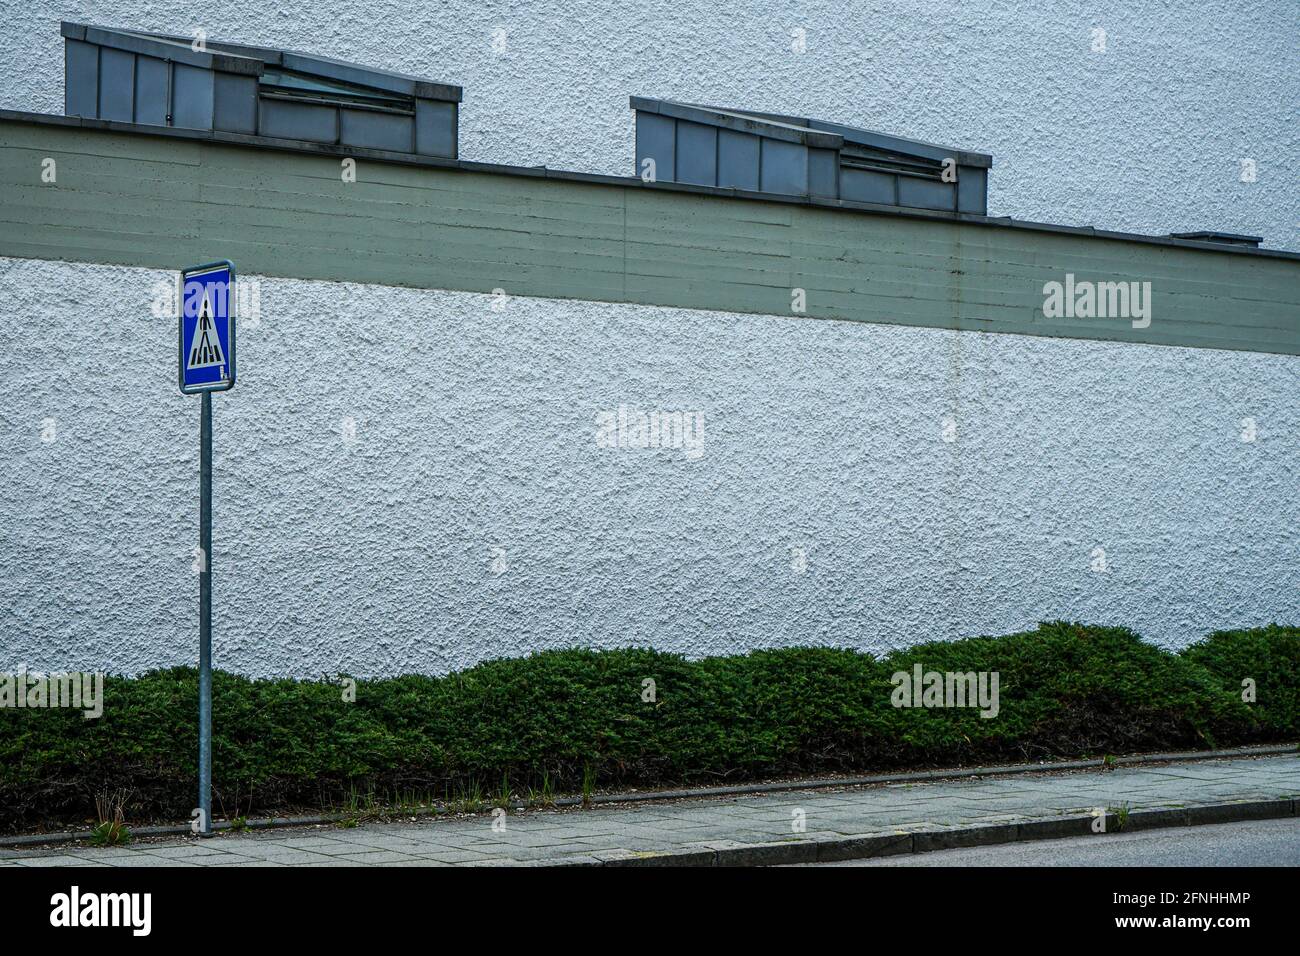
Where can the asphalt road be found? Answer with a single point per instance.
(1257, 843)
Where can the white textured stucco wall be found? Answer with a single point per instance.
(1146, 136)
(476, 429)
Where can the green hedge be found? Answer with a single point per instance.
(1270, 658)
(1065, 690)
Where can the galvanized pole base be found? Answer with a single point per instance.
(205, 617)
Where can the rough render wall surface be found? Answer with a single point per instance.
(1146, 136)
(476, 429)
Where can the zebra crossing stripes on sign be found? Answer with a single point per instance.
(207, 328)
(205, 350)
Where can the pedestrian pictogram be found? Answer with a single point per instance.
(206, 350)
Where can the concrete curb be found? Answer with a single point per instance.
(919, 776)
(823, 849)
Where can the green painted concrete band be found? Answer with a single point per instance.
(128, 199)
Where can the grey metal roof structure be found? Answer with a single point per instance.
(157, 79)
(798, 156)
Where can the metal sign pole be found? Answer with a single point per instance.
(205, 343)
(205, 616)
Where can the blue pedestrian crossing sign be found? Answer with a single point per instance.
(207, 328)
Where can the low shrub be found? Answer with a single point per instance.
(569, 720)
(1269, 659)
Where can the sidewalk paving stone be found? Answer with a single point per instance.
(751, 828)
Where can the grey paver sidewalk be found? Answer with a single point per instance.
(613, 832)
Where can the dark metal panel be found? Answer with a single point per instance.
(655, 139)
(150, 91)
(823, 165)
(973, 190)
(377, 130)
(80, 79)
(697, 154)
(234, 105)
(784, 168)
(737, 160)
(116, 85)
(926, 193)
(435, 128)
(287, 120)
(859, 185)
(191, 97)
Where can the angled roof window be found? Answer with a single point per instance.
(794, 155)
(164, 80)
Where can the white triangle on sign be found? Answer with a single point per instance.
(205, 350)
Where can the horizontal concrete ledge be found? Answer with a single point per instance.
(821, 783)
(306, 147)
(820, 849)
